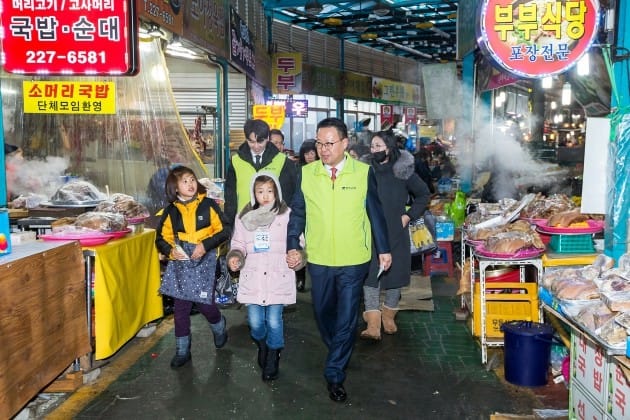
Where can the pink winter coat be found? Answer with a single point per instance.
(265, 277)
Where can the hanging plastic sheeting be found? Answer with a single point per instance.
(619, 198)
(117, 153)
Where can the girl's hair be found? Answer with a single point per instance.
(390, 141)
(263, 179)
(174, 175)
(306, 147)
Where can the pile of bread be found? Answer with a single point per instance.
(111, 215)
(594, 295)
(77, 192)
(123, 204)
(507, 239)
(89, 222)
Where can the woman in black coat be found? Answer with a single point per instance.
(397, 182)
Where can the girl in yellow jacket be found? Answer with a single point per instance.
(191, 228)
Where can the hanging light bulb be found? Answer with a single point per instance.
(583, 65)
(553, 105)
(547, 82)
(566, 94)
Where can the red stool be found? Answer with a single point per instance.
(441, 264)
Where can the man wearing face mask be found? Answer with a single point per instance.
(397, 181)
(257, 153)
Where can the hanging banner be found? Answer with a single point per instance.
(54, 97)
(242, 51)
(357, 86)
(537, 38)
(410, 114)
(323, 81)
(387, 115)
(271, 114)
(392, 91)
(286, 73)
(205, 24)
(69, 37)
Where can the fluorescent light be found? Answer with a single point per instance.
(566, 94)
(583, 65)
(547, 82)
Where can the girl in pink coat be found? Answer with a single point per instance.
(266, 283)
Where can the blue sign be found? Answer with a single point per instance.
(297, 108)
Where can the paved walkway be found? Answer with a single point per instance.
(431, 369)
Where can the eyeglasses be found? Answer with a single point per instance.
(327, 145)
(378, 147)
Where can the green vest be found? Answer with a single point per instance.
(338, 232)
(244, 174)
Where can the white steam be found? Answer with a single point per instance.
(42, 177)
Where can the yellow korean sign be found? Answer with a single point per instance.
(55, 97)
(271, 114)
(286, 73)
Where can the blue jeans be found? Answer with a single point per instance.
(265, 323)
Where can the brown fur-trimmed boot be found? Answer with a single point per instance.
(373, 330)
(389, 326)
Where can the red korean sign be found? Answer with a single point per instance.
(537, 38)
(62, 37)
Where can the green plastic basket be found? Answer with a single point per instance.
(572, 244)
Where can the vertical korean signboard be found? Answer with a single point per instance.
(537, 38)
(286, 73)
(242, 52)
(65, 37)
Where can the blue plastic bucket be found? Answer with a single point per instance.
(527, 352)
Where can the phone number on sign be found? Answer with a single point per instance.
(71, 57)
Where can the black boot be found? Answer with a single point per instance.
(270, 370)
(300, 276)
(262, 352)
(182, 351)
(219, 331)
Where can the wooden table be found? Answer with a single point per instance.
(43, 322)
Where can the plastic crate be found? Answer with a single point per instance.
(505, 302)
(572, 244)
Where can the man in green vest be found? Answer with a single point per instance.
(336, 206)
(255, 154)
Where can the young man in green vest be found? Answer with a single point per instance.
(337, 207)
(255, 154)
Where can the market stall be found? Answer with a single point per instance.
(43, 321)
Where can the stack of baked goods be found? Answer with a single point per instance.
(77, 193)
(123, 204)
(542, 207)
(594, 295)
(506, 239)
(90, 222)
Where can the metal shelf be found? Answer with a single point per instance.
(484, 263)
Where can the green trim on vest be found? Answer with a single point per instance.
(244, 173)
(338, 231)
